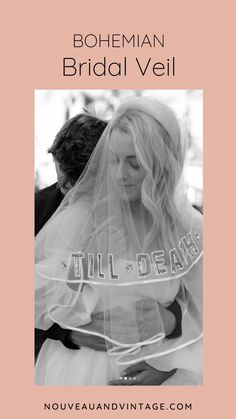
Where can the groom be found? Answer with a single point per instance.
(71, 151)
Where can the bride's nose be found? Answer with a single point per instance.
(121, 171)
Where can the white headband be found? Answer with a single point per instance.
(157, 110)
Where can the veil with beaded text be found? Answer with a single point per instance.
(126, 236)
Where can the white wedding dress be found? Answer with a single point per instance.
(57, 365)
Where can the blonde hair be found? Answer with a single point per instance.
(162, 160)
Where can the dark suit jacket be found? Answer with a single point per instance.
(46, 202)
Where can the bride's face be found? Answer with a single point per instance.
(126, 171)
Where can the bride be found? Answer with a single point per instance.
(126, 242)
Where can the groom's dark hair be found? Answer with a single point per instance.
(74, 144)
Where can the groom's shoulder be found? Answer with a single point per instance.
(49, 191)
(48, 195)
(47, 200)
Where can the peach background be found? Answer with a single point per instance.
(35, 36)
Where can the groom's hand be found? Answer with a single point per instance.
(147, 323)
(142, 374)
(91, 341)
(145, 319)
(122, 326)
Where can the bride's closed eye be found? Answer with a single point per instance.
(113, 159)
(134, 165)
